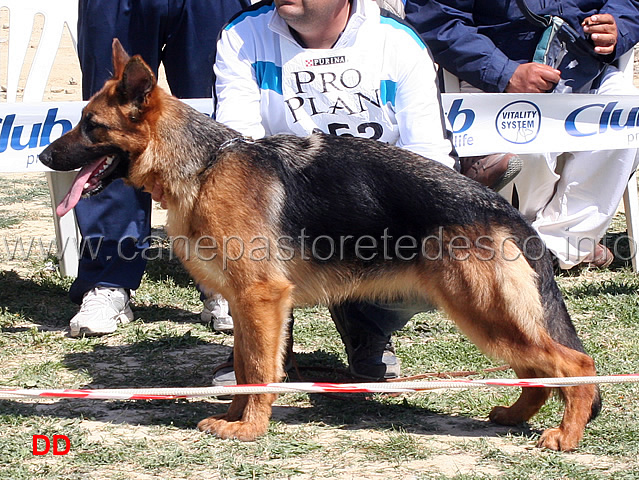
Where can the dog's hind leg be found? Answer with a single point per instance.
(504, 316)
(580, 401)
(260, 313)
(552, 359)
(527, 405)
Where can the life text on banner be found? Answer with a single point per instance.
(482, 123)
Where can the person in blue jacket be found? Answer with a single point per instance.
(570, 197)
(115, 225)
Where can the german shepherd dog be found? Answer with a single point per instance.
(331, 219)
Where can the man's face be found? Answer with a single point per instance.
(299, 12)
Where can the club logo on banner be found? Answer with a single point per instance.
(519, 122)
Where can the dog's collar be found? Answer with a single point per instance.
(228, 143)
(234, 140)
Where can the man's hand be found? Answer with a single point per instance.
(533, 78)
(602, 29)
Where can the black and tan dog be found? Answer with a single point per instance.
(285, 221)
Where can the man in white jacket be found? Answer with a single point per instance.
(370, 77)
(345, 68)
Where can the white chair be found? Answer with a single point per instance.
(57, 14)
(630, 197)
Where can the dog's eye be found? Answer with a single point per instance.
(91, 126)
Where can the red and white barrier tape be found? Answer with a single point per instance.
(305, 387)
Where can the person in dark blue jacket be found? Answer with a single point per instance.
(484, 42)
(489, 45)
(182, 35)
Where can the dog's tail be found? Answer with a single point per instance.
(556, 317)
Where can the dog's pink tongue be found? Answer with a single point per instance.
(72, 198)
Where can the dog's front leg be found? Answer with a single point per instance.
(260, 314)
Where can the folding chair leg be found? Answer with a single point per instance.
(507, 193)
(631, 206)
(66, 230)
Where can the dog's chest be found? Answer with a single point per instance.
(196, 250)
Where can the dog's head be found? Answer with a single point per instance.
(113, 130)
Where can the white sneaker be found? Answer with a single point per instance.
(216, 310)
(102, 309)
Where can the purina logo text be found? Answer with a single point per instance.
(318, 62)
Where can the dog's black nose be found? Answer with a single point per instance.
(45, 157)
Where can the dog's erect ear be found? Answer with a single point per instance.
(136, 80)
(135, 85)
(120, 58)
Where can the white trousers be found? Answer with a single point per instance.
(571, 197)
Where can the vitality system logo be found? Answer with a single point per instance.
(519, 122)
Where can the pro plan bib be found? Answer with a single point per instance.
(337, 90)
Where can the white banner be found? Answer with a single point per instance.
(482, 123)
(489, 123)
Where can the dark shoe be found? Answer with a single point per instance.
(602, 257)
(370, 352)
(493, 171)
(369, 367)
(224, 374)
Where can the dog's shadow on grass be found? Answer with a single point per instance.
(185, 414)
(168, 360)
(367, 411)
(157, 360)
(188, 362)
(362, 412)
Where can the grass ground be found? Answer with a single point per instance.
(435, 435)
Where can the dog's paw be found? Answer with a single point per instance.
(557, 439)
(505, 416)
(240, 430)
